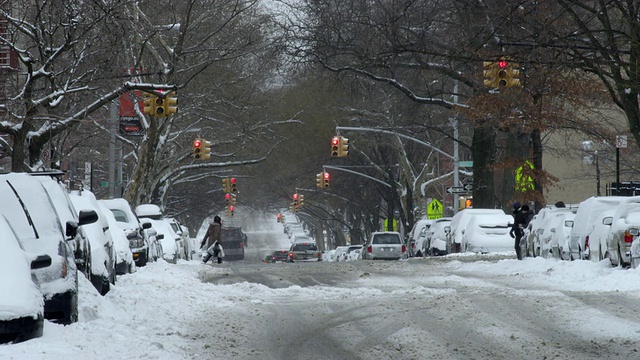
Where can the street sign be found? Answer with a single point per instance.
(435, 210)
(465, 163)
(456, 190)
(621, 141)
(468, 187)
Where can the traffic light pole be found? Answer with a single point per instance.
(356, 173)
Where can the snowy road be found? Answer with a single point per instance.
(464, 307)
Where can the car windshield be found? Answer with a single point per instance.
(304, 247)
(120, 215)
(386, 239)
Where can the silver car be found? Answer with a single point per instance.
(386, 245)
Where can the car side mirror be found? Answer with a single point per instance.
(160, 236)
(87, 217)
(42, 261)
(146, 225)
(71, 229)
(568, 223)
(607, 220)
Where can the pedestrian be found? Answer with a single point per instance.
(212, 241)
(521, 218)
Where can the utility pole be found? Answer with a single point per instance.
(113, 124)
(456, 149)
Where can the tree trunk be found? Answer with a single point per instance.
(483, 147)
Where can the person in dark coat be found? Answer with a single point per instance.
(211, 241)
(521, 218)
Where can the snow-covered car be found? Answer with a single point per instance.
(459, 222)
(536, 227)
(21, 302)
(488, 233)
(132, 228)
(597, 239)
(436, 237)
(625, 228)
(124, 257)
(103, 251)
(384, 245)
(561, 235)
(172, 242)
(337, 253)
(182, 239)
(418, 236)
(354, 252)
(584, 221)
(155, 245)
(60, 200)
(28, 208)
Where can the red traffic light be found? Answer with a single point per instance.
(233, 180)
(231, 208)
(502, 64)
(335, 141)
(326, 175)
(295, 196)
(227, 196)
(197, 143)
(279, 216)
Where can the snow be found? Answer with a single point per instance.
(153, 313)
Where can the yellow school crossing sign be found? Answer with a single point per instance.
(524, 182)
(435, 210)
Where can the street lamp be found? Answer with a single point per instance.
(592, 159)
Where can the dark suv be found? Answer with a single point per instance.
(304, 251)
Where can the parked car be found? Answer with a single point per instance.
(488, 233)
(21, 302)
(124, 257)
(560, 235)
(172, 247)
(584, 221)
(418, 236)
(129, 223)
(459, 222)
(540, 220)
(387, 245)
(304, 251)
(60, 200)
(436, 237)
(182, 239)
(28, 208)
(337, 253)
(597, 239)
(103, 251)
(153, 238)
(354, 252)
(625, 227)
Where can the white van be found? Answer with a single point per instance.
(584, 222)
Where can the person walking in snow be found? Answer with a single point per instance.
(521, 218)
(212, 241)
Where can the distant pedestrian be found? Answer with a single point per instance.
(212, 241)
(521, 216)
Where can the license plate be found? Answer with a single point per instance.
(386, 249)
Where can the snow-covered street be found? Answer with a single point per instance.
(459, 307)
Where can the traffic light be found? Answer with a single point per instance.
(206, 150)
(231, 210)
(233, 185)
(501, 74)
(225, 185)
(465, 202)
(468, 203)
(295, 199)
(325, 179)
(171, 103)
(227, 199)
(490, 74)
(279, 216)
(158, 107)
(149, 104)
(300, 200)
(234, 199)
(344, 146)
(319, 180)
(335, 147)
(197, 149)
